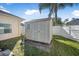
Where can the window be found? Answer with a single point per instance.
(28, 26)
(1, 30)
(5, 28)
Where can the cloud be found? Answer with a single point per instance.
(75, 12)
(3, 9)
(8, 3)
(31, 12)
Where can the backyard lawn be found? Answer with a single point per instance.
(60, 47)
(13, 45)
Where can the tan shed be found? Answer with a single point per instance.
(39, 30)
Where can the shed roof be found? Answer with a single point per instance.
(39, 20)
(11, 14)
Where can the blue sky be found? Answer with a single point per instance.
(30, 11)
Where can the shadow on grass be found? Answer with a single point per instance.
(58, 48)
(32, 51)
(9, 43)
(13, 44)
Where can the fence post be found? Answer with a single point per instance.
(70, 30)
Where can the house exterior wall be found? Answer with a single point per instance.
(39, 31)
(15, 26)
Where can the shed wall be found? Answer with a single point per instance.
(39, 31)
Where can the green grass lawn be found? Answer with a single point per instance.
(60, 47)
(14, 45)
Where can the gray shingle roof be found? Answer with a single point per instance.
(73, 22)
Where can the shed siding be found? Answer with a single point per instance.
(39, 31)
(51, 26)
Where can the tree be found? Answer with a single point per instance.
(53, 8)
(66, 20)
(58, 21)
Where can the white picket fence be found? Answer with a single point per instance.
(71, 32)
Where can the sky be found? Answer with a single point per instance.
(30, 11)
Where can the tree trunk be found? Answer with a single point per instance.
(55, 11)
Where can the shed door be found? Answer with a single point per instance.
(34, 30)
(42, 32)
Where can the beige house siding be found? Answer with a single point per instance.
(15, 25)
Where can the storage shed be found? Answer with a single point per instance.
(39, 30)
